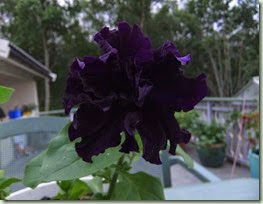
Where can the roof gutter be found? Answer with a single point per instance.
(11, 51)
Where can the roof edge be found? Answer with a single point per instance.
(10, 50)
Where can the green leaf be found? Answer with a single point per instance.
(105, 173)
(95, 184)
(5, 94)
(5, 184)
(32, 176)
(8, 182)
(2, 172)
(61, 162)
(187, 159)
(4, 193)
(98, 196)
(65, 185)
(79, 189)
(139, 141)
(138, 186)
(72, 190)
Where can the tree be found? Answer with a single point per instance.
(54, 34)
(229, 45)
(222, 39)
(37, 27)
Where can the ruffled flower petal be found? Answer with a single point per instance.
(173, 132)
(182, 93)
(152, 133)
(74, 89)
(129, 144)
(130, 121)
(169, 49)
(152, 136)
(106, 47)
(128, 41)
(130, 87)
(98, 130)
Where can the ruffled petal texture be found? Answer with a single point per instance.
(130, 87)
(98, 130)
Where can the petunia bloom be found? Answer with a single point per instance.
(129, 87)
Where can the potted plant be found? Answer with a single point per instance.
(27, 109)
(15, 113)
(187, 121)
(251, 127)
(210, 143)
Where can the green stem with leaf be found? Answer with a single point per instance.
(115, 177)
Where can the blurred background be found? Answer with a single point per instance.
(39, 39)
(221, 35)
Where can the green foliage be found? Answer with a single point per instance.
(250, 123)
(61, 162)
(96, 185)
(226, 52)
(209, 134)
(229, 58)
(251, 127)
(51, 33)
(138, 186)
(5, 184)
(46, 22)
(72, 190)
(234, 116)
(5, 94)
(188, 120)
(28, 108)
(106, 174)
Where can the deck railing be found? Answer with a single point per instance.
(220, 109)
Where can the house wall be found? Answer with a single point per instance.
(25, 93)
(24, 84)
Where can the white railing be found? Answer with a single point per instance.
(220, 109)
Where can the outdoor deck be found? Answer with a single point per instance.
(179, 176)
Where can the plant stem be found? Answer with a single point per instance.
(114, 178)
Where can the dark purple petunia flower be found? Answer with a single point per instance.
(131, 86)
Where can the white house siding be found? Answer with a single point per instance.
(24, 84)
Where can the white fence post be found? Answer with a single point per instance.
(209, 111)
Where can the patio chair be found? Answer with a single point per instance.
(21, 126)
(164, 171)
(212, 188)
(18, 142)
